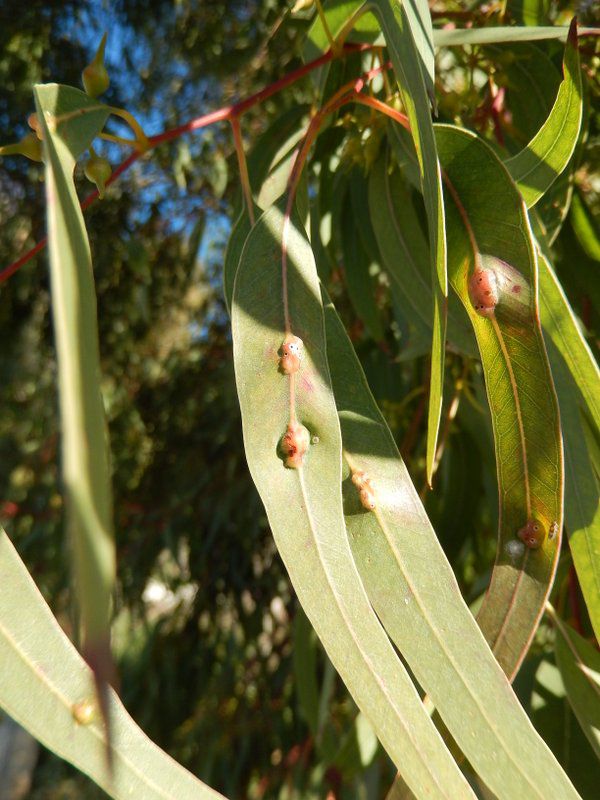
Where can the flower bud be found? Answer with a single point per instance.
(95, 77)
(29, 146)
(34, 124)
(98, 171)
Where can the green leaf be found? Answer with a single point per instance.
(538, 165)
(496, 35)
(519, 385)
(304, 506)
(47, 687)
(343, 17)
(70, 120)
(405, 253)
(585, 227)
(415, 594)
(579, 665)
(352, 18)
(397, 30)
(577, 381)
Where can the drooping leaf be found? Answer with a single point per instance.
(538, 165)
(48, 689)
(576, 391)
(304, 506)
(415, 594)
(399, 37)
(489, 219)
(579, 664)
(70, 120)
(500, 33)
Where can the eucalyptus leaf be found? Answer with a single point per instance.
(304, 505)
(538, 165)
(579, 664)
(70, 120)
(489, 219)
(577, 381)
(415, 594)
(397, 28)
(49, 690)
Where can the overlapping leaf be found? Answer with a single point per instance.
(405, 252)
(579, 665)
(48, 689)
(304, 506)
(577, 381)
(414, 593)
(487, 214)
(70, 120)
(413, 90)
(537, 166)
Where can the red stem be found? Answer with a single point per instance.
(225, 113)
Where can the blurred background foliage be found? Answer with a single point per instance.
(215, 661)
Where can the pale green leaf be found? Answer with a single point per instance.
(538, 165)
(413, 90)
(70, 120)
(46, 687)
(415, 594)
(499, 34)
(519, 386)
(304, 506)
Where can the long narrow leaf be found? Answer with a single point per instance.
(413, 89)
(537, 166)
(70, 120)
(578, 390)
(579, 665)
(414, 592)
(304, 506)
(47, 688)
(488, 216)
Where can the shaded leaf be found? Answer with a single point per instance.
(537, 166)
(580, 389)
(518, 383)
(405, 252)
(579, 665)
